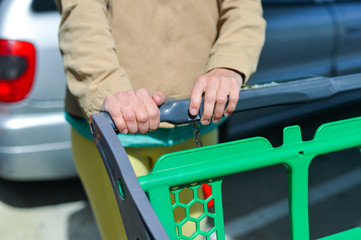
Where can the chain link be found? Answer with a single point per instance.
(197, 135)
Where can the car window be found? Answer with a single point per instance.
(43, 5)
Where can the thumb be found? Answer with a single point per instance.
(158, 98)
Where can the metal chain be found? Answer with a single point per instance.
(197, 135)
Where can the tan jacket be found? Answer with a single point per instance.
(162, 45)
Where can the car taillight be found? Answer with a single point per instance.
(17, 69)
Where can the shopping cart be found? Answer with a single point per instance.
(148, 202)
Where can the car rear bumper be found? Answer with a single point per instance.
(35, 147)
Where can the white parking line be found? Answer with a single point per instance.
(266, 215)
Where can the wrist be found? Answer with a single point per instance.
(240, 74)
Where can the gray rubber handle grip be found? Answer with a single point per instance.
(269, 94)
(266, 95)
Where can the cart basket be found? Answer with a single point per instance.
(148, 202)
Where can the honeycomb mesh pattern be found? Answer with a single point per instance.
(193, 218)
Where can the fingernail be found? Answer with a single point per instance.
(193, 111)
(226, 114)
(205, 122)
(125, 131)
(216, 120)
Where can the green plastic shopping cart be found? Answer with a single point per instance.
(149, 202)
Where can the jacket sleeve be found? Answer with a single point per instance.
(89, 56)
(241, 36)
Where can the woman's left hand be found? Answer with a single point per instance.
(218, 86)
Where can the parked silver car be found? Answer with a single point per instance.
(34, 137)
(304, 38)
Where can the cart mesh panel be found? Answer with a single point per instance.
(194, 215)
(191, 209)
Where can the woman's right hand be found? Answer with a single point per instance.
(134, 110)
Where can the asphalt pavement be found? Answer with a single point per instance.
(48, 210)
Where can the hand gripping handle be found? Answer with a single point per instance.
(266, 95)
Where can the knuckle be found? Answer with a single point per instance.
(198, 88)
(154, 114)
(200, 83)
(142, 91)
(142, 117)
(114, 113)
(120, 124)
(109, 98)
(230, 107)
(214, 79)
(195, 101)
(222, 100)
(104, 107)
(230, 110)
(118, 95)
(210, 98)
(153, 126)
(201, 79)
(233, 99)
(218, 113)
(129, 116)
(127, 94)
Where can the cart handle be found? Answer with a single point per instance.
(265, 95)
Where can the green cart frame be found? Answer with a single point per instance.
(150, 201)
